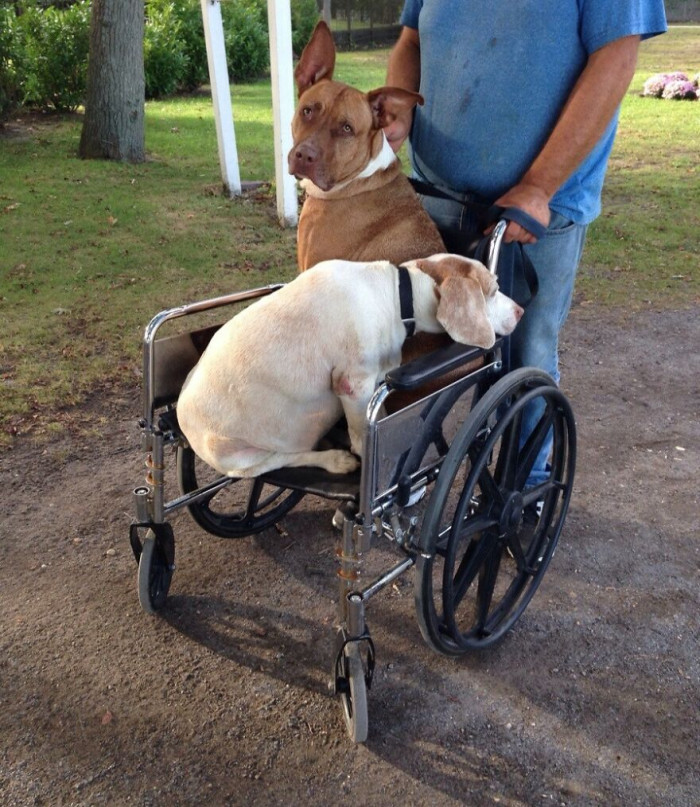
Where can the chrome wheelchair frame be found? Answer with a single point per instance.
(480, 542)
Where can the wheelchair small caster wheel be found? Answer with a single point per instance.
(154, 575)
(353, 693)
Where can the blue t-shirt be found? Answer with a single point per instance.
(495, 77)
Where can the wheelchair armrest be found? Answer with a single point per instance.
(432, 366)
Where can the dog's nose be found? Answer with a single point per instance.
(304, 161)
(305, 154)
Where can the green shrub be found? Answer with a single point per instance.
(165, 59)
(12, 63)
(304, 18)
(44, 52)
(189, 14)
(245, 35)
(57, 45)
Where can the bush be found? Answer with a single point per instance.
(674, 86)
(12, 63)
(57, 45)
(165, 59)
(189, 13)
(44, 52)
(304, 18)
(245, 35)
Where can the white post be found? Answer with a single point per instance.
(280, 26)
(221, 96)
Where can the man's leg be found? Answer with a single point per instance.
(535, 342)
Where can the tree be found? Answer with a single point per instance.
(113, 127)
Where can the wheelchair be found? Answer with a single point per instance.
(479, 541)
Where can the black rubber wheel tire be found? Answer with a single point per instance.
(485, 548)
(154, 575)
(354, 699)
(245, 507)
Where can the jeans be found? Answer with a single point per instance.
(535, 341)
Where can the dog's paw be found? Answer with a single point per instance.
(341, 462)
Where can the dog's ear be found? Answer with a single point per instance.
(462, 312)
(317, 59)
(387, 103)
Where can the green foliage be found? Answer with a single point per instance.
(245, 35)
(12, 62)
(57, 44)
(164, 53)
(304, 18)
(189, 13)
(44, 51)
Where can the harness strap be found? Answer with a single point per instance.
(468, 239)
(406, 301)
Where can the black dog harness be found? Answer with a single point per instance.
(515, 268)
(406, 301)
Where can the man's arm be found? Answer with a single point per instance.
(589, 109)
(403, 71)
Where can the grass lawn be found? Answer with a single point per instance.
(90, 250)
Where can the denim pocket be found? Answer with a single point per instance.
(560, 225)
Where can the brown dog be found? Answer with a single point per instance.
(359, 205)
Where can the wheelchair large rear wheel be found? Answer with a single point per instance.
(243, 507)
(487, 538)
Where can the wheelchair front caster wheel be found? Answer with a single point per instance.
(154, 575)
(353, 693)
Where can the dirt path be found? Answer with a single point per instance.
(592, 700)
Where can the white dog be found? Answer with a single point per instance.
(276, 377)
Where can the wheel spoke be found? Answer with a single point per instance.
(515, 547)
(489, 488)
(485, 588)
(532, 447)
(253, 498)
(507, 465)
(470, 527)
(476, 554)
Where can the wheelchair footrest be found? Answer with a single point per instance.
(341, 487)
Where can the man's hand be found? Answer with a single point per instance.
(530, 199)
(397, 131)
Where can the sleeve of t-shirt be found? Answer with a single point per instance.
(410, 13)
(603, 22)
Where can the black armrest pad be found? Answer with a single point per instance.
(427, 368)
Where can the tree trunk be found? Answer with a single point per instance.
(114, 109)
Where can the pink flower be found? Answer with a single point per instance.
(679, 89)
(654, 86)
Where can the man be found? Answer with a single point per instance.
(521, 108)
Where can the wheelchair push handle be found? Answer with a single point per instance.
(503, 215)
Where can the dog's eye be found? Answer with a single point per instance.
(306, 111)
(347, 129)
